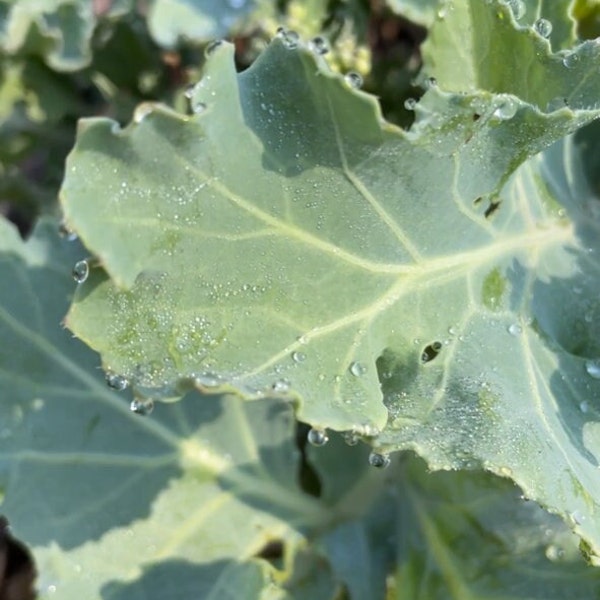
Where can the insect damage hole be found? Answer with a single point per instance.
(491, 209)
(430, 352)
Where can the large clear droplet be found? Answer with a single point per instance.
(116, 382)
(410, 104)
(142, 406)
(506, 109)
(353, 80)
(593, 368)
(81, 271)
(543, 27)
(379, 460)
(317, 437)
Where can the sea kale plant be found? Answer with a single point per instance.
(308, 312)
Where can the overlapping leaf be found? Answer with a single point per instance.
(176, 504)
(286, 240)
(119, 506)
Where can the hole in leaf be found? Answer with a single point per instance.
(491, 209)
(271, 551)
(17, 569)
(430, 352)
(476, 116)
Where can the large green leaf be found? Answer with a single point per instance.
(285, 239)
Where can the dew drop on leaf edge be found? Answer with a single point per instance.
(142, 407)
(116, 382)
(319, 45)
(515, 329)
(81, 271)
(379, 460)
(317, 437)
(592, 368)
(289, 37)
(543, 27)
(353, 80)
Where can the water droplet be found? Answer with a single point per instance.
(212, 47)
(378, 460)
(298, 357)
(281, 386)
(410, 104)
(505, 471)
(208, 380)
(554, 553)
(197, 107)
(353, 79)
(577, 517)
(81, 270)
(319, 45)
(317, 437)
(506, 109)
(142, 406)
(593, 368)
(570, 60)
(289, 37)
(66, 233)
(430, 83)
(116, 382)
(351, 438)
(515, 329)
(189, 90)
(357, 369)
(584, 406)
(452, 330)
(543, 27)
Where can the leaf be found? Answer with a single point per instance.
(464, 535)
(201, 20)
(59, 30)
(480, 45)
(387, 281)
